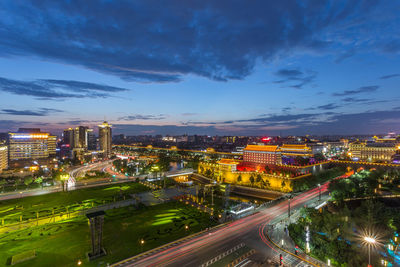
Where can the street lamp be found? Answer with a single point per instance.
(370, 241)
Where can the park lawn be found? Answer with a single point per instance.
(10, 210)
(65, 243)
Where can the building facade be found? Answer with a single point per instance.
(373, 152)
(268, 154)
(105, 139)
(27, 144)
(295, 150)
(3, 157)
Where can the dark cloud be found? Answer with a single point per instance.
(57, 89)
(40, 112)
(361, 90)
(295, 78)
(329, 106)
(389, 76)
(355, 100)
(146, 41)
(289, 73)
(143, 117)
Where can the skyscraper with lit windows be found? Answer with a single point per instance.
(105, 139)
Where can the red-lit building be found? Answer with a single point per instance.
(263, 155)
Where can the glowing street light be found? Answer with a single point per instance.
(370, 241)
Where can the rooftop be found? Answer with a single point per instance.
(267, 148)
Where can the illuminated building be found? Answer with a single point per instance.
(105, 139)
(366, 151)
(3, 157)
(29, 144)
(68, 137)
(295, 150)
(52, 145)
(91, 140)
(79, 140)
(228, 164)
(80, 137)
(268, 154)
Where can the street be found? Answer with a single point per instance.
(248, 230)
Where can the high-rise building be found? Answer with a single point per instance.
(3, 157)
(52, 145)
(68, 137)
(29, 144)
(80, 137)
(105, 138)
(91, 140)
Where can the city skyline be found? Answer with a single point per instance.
(320, 67)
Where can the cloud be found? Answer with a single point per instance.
(329, 106)
(148, 42)
(189, 114)
(295, 78)
(143, 117)
(57, 89)
(389, 76)
(345, 55)
(361, 90)
(40, 112)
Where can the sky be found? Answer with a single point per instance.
(201, 67)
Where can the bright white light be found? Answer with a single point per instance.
(369, 239)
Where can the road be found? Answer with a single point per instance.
(76, 172)
(249, 230)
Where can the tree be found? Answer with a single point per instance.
(61, 177)
(267, 184)
(319, 157)
(239, 179)
(39, 180)
(283, 184)
(258, 179)
(2, 183)
(252, 180)
(27, 181)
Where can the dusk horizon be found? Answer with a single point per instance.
(313, 68)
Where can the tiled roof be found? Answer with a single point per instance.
(268, 148)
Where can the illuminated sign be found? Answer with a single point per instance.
(30, 136)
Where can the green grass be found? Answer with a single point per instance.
(64, 243)
(23, 256)
(28, 207)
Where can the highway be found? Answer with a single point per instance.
(249, 230)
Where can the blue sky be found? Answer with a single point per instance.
(206, 67)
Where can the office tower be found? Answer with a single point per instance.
(68, 137)
(105, 138)
(80, 137)
(28, 144)
(91, 140)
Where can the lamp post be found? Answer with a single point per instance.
(370, 241)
